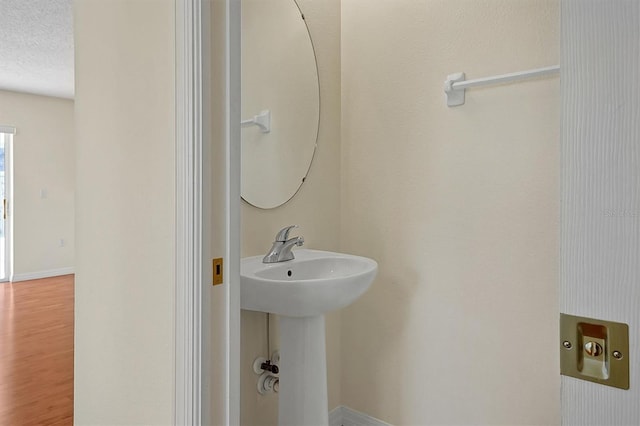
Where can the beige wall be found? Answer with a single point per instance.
(43, 160)
(460, 208)
(125, 221)
(315, 209)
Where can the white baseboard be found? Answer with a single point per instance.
(345, 416)
(335, 416)
(42, 274)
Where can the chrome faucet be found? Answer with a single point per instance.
(281, 249)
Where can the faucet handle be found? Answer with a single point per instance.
(283, 235)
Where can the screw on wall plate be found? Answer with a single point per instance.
(617, 354)
(567, 344)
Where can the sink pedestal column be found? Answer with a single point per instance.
(303, 372)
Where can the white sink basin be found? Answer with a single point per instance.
(313, 283)
(301, 291)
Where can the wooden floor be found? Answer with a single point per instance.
(36, 352)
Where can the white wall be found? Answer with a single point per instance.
(459, 207)
(44, 159)
(600, 195)
(125, 203)
(315, 209)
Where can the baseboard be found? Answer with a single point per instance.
(335, 416)
(345, 416)
(42, 274)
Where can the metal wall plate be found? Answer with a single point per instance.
(594, 350)
(218, 271)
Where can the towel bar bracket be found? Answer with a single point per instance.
(454, 97)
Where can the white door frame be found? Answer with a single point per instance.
(233, 117)
(189, 405)
(8, 182)
(188, 315)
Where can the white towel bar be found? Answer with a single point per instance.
(455, 84)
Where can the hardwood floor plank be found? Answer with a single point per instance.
(36, 352)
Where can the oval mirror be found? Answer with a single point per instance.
(280, 101)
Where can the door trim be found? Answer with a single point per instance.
(7, 134)
(188, 280)
(233, 209)
(191, 404)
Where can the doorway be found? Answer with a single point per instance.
(6, 140)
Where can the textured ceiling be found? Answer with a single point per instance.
(36, 47)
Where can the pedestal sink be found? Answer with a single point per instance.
(301, 291)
